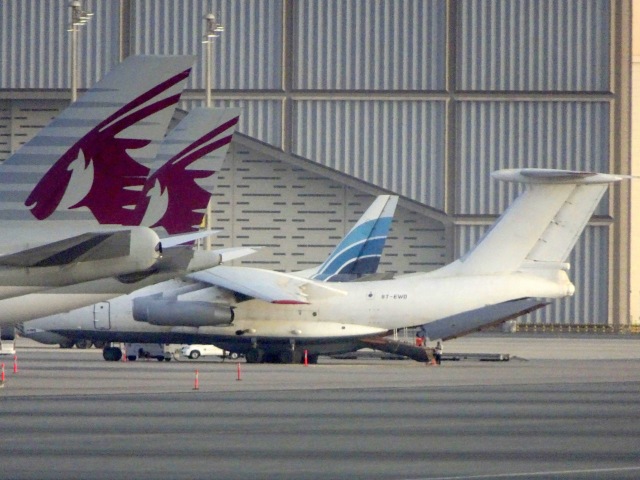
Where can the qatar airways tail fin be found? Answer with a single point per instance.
(91, 161)
(175, 196)
(360, 250)
(541, 227)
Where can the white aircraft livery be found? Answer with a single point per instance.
(517, 266)
(73, 199)
(355, 258)
(521, 257)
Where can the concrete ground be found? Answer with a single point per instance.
(564, 407)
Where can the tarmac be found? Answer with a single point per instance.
(562, 407)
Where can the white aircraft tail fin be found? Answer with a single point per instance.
(562, 233)
(542, 225)
(92, 160)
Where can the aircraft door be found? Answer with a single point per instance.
(101, 316)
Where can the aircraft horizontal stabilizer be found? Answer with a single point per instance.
(547, 175)
(270, 286)
(233, 253)
(175, 240)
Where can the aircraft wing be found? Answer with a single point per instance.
(85, 247)
(267, 285)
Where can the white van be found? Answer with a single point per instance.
(197, 351)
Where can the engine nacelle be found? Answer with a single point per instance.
(176, 313)
(82, 258)
(123, 252)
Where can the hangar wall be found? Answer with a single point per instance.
(424, 98)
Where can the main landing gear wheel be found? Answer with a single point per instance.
(67, 343)
(111, 354)
(83, 344)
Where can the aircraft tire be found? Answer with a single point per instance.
(312, 358)
(132, 358)
(67, 343)
(83, 344)
(112, 354)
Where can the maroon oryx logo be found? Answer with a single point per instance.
(175, 189)
(110, 179)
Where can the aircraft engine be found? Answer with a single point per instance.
(176, 313)
(123, 252)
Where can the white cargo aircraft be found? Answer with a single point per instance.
(356, 258)
(68, 191)
(523, 256)
(518, 265)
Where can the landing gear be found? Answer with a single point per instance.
(83, 344)
(290, 356)
(111, 354)
(254, 355)
(67, 343)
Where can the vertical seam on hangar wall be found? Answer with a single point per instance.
(620, 282)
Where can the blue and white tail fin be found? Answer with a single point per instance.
(92, 160)
(541, 227)
(176, 195)
(360, 250)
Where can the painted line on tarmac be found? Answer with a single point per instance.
(534, 474)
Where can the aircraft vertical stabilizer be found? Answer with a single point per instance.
(542, 225)
(176, 195)
(360, 250)
(562, 233)
(98, 148)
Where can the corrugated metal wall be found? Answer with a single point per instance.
(382, 45)
(424, 98)
(261, 119)
(247, 56)
(533, 45)
(35, 46)
(398, 145)
(516, 134)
